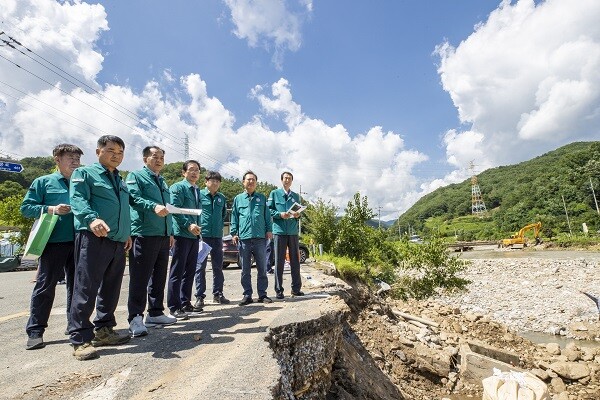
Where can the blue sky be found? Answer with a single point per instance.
(360, 63)
(389, 98)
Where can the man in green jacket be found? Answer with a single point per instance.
(50, 194)
(152, 237)
(186, 229)
(100, 204)
(251, 226)
(285, 231)
(212, 219)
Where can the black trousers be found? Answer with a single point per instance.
(181, 275)
(55, 262)
(99, 267)
(283, 243)
(148, 264)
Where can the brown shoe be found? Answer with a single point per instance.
(106, 336)
(85, 351)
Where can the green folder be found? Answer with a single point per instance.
(40, 233)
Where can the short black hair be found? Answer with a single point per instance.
(65, 148)
(147, 152)
(249, 172)
(187, 163)
(287, 172)
(213, 175)
(103, 141)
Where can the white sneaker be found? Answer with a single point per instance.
(137, 327)
(160, 320)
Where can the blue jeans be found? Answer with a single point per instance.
(254, 247)
(216, 260)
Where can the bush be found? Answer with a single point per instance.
(10, 215)
(427, 268)
(348, 268)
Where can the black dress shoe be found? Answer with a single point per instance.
(246, 300)
(298, 293)
(279, 295)
(188, 308)
(180, 315)
(264, 299)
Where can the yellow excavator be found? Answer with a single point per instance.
(519, 237)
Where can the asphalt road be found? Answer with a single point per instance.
(220, 353)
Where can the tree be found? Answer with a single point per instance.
(10, 214)
(10, 188)
(353, 233)
(320, 223)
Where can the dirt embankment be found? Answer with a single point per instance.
(423, 359)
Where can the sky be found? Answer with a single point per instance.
(391, 99)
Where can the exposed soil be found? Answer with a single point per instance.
(433, 374)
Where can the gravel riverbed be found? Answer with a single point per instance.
(539, 294)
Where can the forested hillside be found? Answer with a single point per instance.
(520, 194)
(514, 195)
(12, 184)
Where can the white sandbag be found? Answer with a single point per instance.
(514, 386)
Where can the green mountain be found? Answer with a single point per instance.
(516, 195)
(12, 184)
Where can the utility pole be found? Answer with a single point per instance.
(379, 212)
(300, 193)
(594, 194)
(567, 214)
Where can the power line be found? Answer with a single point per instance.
(136, 119)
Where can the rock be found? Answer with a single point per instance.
(457, 327)
(587, 354)
(580, 327)
(562, 396)
(472, 317)
(508, 337)
(400, 354)
(553, 348)
(572, 346)
(585, 381)
(570, 370)
(555, 330)
(540, 373)
(572, 354)
(451, 350)
(558, 386)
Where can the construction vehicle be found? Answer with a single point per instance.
(519, 237)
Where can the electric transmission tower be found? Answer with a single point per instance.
(477, 204)
(186, 147)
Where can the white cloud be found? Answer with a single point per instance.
(327, 161)
(272, 24)
(526, 81)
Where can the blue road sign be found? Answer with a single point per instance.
(10, 167)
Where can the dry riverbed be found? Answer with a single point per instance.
(512, 294)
